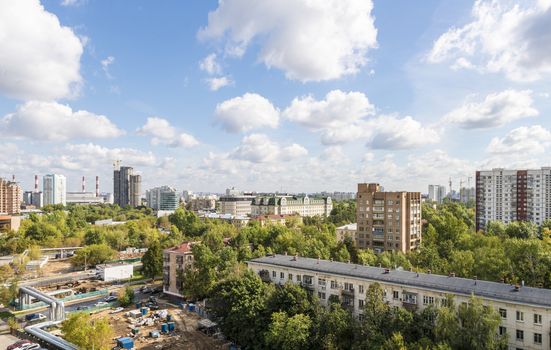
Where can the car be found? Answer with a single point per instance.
(101, 303)
(83, 307)
(35, 317)
(110, 298)
(114, 311)
(32, 346)
(17, 344)
(146, 290)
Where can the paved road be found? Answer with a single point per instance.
(7, 340)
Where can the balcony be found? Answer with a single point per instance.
(348, 292)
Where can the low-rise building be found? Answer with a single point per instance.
(525, 311)
(115, 272)
(202, 203)
(9, 223)
(175, 261)
(83, 198)
(344, 231)
(280, 219)
(235, 202)
(237, 220)
(283, 205)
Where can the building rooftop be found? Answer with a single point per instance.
(350, 227)
(452, 285)
(182, 248)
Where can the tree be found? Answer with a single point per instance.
(92, 255)
(86, 333)
(395, 342)
(288, 333)
(291, 298)
(126, 298)
(152, 260)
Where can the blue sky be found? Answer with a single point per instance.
(275, 95)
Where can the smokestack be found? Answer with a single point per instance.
(36, 183)
(13, 178)
(83, 185)
(97, 186)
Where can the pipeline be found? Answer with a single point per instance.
(56, 341)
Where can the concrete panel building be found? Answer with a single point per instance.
(525, 311)
(513, 195)
(437, 193)
(10, 197)
(387, 221)
(126, 186)
(54, 188)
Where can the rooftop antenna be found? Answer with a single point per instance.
(450, 182)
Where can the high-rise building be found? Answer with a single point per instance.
(467, 194)
(437, 193)
(54, 187)
(10, 197)
(162, 198)
(126, 186)
(513, 195)
(387, 221)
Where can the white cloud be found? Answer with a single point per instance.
(258, 148)
(503, 37)
(51, 121)
(105, 63)
(210, 65)
(73, 2)
(217, 83)
(497, 109)
(308, 40)
(247, 112)
(40, 58)
(164, 133)
(338, 109)
(89, 154)
(390, 132)
(524, 140)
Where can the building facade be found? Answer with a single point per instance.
(126, 186)
(235, 202)
(10, 197)
(437, 193)
(525, 311)
(387, 221)
(162, 198)
(513, 195)
(467, 194)
(284, 205)
(54, 188)
(175, 261)
(84, 198)
(202, 203)
(350, 230)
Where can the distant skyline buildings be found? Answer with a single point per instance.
(162, 198)
(126, 186)
(54, 188)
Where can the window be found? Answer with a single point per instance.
(298, 278)
(537, 318)
(520, 335)
(274, 274)
(444, 302)
(502, 330)
(321, 295)
(503, 313)
(282, 275)
(290, 277)
(410, 298)
(427, 300)
(395, 294)
(321, 281)
(361, 303)
(537, 338)
(348, 286)
(307, 279)
(333, 284)
(520, 316)
(361, 289)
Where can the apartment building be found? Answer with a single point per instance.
(387, 221)
(54, 189)
(127, 186)
(202, 203)
(513, 195)
(350, 230)
(10, 197)
(235, 202)
(284, 205)
(437, 193)
(175, 261)
(467, 194)
(525, 311)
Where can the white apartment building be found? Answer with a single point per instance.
(513, 195)
(284, 205)
(437, 193)
(54, 188)
(525, 311)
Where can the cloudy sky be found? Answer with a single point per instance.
(292, 95)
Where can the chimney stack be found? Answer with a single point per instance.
(97, 186)
(13, 178)
(36, 183)
(83, 185)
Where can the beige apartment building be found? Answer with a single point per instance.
(387, 221)
(10, 197)
(350, 230)
(525, 311)
(284, 205)
(175, 261)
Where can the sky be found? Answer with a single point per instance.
(274, 95)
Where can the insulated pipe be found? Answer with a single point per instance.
(58, 342)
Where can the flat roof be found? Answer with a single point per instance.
(353, 227)
(453, 285)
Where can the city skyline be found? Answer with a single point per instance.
(193, 96)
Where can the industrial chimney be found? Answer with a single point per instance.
(97, 186)
(83, 185)
(36, 184)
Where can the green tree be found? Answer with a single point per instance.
(126, 297)
(86, 333)
(288, 333)
(152, 260)
(395, 342)
(93, 255)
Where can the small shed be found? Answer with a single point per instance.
(125, 343)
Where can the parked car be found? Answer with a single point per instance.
(100, 303)
(83, 307)
(110, 298)
(32, 346)
(114, 311)
(35, 317)
(19, 343)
